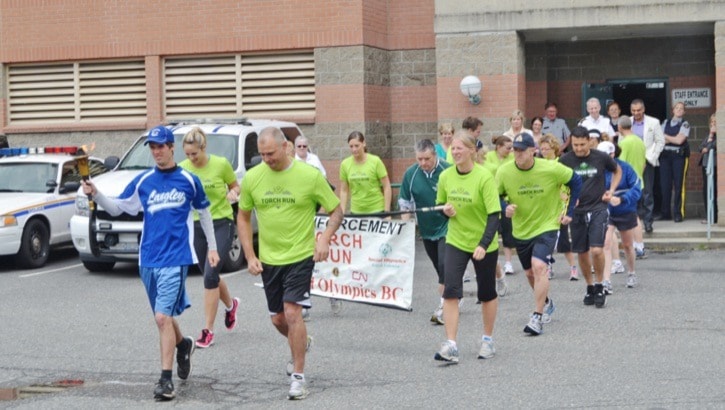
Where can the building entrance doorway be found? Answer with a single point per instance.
(654, 93)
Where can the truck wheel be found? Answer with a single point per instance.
(99, 266)
(34, 246)
(234, 260)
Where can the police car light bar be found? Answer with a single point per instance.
(14, 152)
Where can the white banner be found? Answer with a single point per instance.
(371, 260)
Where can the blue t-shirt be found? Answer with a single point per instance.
(167, 198)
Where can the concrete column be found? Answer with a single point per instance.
(497, 59)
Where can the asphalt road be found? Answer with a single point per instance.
(660, 345)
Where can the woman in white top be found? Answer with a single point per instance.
(517, 125)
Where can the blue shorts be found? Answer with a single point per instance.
(166, 289)
(539, 247)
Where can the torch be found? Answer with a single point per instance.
(85, 172)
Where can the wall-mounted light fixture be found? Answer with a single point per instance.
(471, 88)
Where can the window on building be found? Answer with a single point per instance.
(78, 92)
(254, 86)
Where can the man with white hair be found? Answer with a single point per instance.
(303, 153)
(594, 121)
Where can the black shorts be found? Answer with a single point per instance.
(455, 265)
(539, 247)
(624, 222)
(287, 283)
(224, 234)
(563, 245)
(588, 230)
(436, 251)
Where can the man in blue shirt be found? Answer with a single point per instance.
(166, 194)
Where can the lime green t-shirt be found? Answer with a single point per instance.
(493, 162)
(634, 153)
(215, 176)
(286, 202)
(536, 192)
(366, 190)
(474, 197)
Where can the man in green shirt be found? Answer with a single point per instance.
(634, 152)
(285, 194)
(533, 188)
(418, 190)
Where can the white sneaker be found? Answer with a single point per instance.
(487, 349)
(617, 266)
(297, 388)
(501, 287)
(447, 353)
(534, 328)
(335, 306)
(305, 314)
(508, 268)
(549, 309)
(631, 280)
(437, 317)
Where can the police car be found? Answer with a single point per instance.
(37, 194)
(102, 239)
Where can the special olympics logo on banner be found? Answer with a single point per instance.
(385, 249)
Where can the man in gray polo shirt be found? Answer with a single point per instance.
(555, 126)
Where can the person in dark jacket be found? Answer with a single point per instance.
(622, 215)
(707, 148)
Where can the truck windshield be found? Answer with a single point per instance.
(223, 145)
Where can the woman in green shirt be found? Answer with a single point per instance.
(221, 187)
(472, 205)
(364, 180)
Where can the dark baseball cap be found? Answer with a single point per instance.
(524, 141)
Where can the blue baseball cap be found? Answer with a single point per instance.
(160, 135)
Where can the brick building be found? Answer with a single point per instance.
(81, 71)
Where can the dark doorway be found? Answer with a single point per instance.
(653, 93)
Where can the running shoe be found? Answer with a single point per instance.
(631, 280)
(600, 299)
(501, 287)
(574, 274)
(617, 266)
(607, 287)
(487, 349)
(641, 253)
(437, 317)
(184, 350)
(508, 268)
(550, 271)
(335, 306)
(534, 328)
(206, 339)
(447, 353)
(291, 364)
(306, 314)
(549, 309)
(230, 316)
(297, 388)
(164, 390)
(589, 296)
